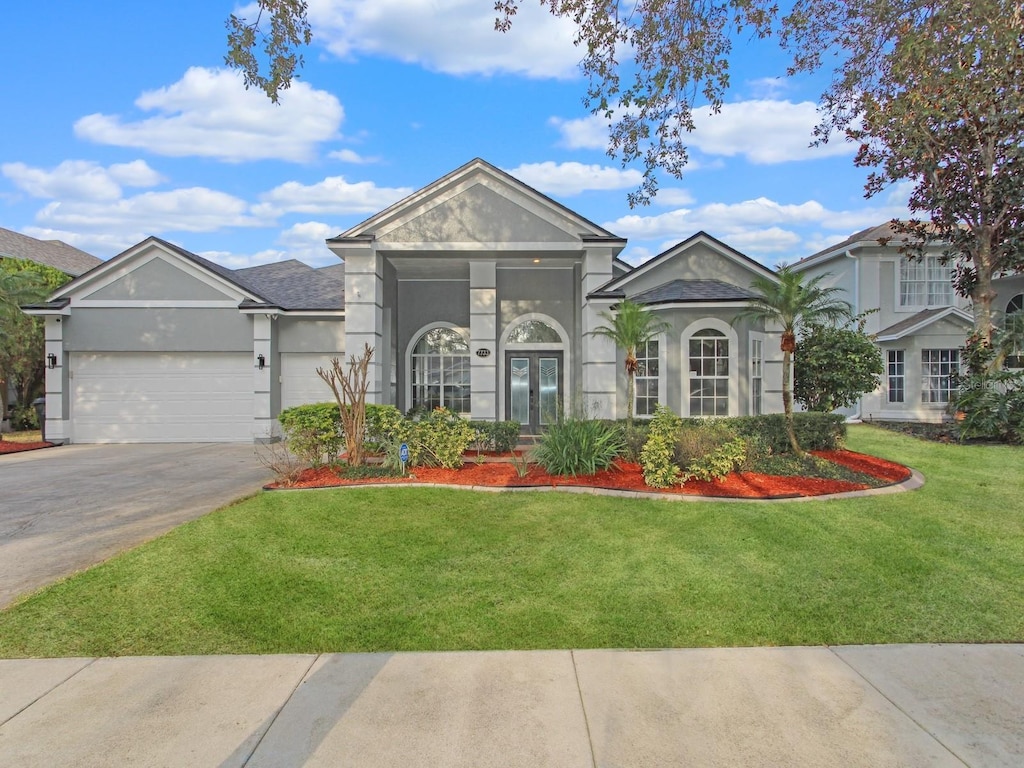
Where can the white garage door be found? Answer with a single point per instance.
(162, 398)
(299, 381)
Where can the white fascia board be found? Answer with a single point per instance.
(951, 312)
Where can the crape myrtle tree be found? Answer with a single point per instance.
(932, 91)
(792, 304)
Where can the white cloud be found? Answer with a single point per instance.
(573, 178)
(452, 36)
(233, 260)
(350, 156)
(197, 209)
(208, 113)
(763, 131)
(673, 196)
(81, 179)
(589, 132)
(332, 195)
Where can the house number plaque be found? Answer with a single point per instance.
(483, 352)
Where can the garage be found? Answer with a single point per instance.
(161, 397)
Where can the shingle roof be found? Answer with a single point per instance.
(294, 285)
(692, 291)
(52, 253)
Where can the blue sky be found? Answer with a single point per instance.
(122, 122)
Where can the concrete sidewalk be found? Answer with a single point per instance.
(872, 706)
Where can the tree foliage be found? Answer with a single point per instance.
(793, 305)
(268, 59)
(21, 336)
(630, 326)
(933, 93)
(835, 366)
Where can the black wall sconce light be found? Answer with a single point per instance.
(51, 361)
(261, 362)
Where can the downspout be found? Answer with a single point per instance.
(855, 417)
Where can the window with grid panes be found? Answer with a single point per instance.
(646, 379)
(925, 282)
(937, 366)
(440, 371)
(897, 373)
(709, 373)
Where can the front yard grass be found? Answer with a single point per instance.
(388, 569)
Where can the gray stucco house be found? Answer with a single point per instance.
(476, 292)
(919, 322)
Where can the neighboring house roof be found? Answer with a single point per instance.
(676, 291)
(52, 253)
(924, 318)
(878, 235)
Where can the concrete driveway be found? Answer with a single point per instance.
(67, 508)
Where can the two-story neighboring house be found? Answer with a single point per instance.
(920, 323)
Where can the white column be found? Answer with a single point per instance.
(364, 313)
(598, 364)
(265, 425)
(483, 335)
(58, 425)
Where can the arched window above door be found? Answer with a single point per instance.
(533, 332)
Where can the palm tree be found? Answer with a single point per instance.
(630, 326)
(791, 303)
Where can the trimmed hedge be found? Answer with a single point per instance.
(497, 436)
(313, 432)
(814, 431)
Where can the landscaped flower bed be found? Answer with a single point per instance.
(867, 472)
(10, 446)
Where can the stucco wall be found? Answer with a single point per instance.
(157, 280)
(157, 329)
(698, 262)
(296, 334)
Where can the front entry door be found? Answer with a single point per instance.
(533, 389)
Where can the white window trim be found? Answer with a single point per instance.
(898, 283)
(889, 376)
(662, 340)
(731, 335)
(463, 332)
(755, 336)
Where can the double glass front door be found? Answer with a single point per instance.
(533, 389)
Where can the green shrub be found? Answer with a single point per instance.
(383, 423)
(313, 432)
(814, 431)
(719, 462)
(696, 438)
(24, 417)
(658, 454)
(497, 436)
(577, 447)
(634, 436)
(439, 439)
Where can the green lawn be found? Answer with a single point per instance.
(433, 569)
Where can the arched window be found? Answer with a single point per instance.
(533, 332)
(1015, 305)
(1015, 323)
(709, 373)
(440, 371)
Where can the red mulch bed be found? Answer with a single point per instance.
(629, 477)
(868, 465)
(8, 446)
